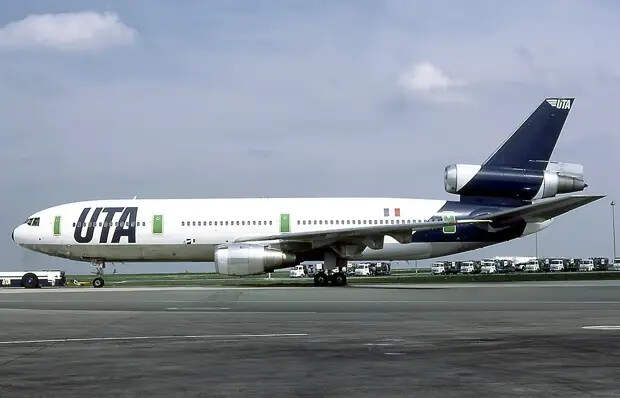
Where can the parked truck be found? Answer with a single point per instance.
(33, 279)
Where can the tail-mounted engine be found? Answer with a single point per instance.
(524, 184)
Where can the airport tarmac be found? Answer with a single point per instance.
(525, 339)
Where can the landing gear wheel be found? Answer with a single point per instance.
(321, 279)
(30, 281)
(98, 282)
(339, 279)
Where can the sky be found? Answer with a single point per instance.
(289, 98)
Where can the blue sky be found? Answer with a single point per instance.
(206, 99)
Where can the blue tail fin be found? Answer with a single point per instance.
(531, 145)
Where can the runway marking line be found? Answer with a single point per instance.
(196, 308)
(169, 337)
(602, 327)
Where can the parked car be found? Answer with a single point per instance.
(556, 265)
(544, 264)
(351, 269)
(488, 267)
(586, 265)
(297, 272)
(532, 266)
(504, 266)
(573, 264)
(362, 269)
(438, 268)
(601, 263)
(616, 265)
(383, 268)
(452, 267)
(467, 267)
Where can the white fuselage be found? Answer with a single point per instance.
(191, 229)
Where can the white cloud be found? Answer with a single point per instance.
(429, 82)
(67, 31)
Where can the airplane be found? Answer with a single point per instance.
(512, 194)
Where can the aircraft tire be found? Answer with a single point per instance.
(30, 281)
(321, 279)
(339, 279)
(98, 282)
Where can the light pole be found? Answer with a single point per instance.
(613, 225)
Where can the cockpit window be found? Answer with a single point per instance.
(33, 221)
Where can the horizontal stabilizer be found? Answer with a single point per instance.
(540, 210)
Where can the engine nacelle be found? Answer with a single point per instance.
(555, 183)
(458, 175)
(475, 180)
(246, 259)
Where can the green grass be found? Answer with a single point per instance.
(281, 279)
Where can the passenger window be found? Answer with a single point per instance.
(100, 224)
(237, 222)
(74, 224)
(270, 222)
(254, 222)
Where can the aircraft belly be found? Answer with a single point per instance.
(157, 252)
(419, 250)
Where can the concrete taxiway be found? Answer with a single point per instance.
(525, 339)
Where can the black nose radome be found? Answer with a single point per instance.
(13, 236)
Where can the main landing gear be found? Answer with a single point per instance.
(335, 276)
(333, 279)
(99, 271)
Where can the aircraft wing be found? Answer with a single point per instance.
(538, 211)
(371, 235)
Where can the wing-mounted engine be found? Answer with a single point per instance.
(508, 182)
(249, 259)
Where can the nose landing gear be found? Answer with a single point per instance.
(99, 271)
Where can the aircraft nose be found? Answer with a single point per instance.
(18, 235)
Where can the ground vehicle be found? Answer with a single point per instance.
(572, 265)
(383, 268)
(587, 264)
(312, 269)
(601, 263)
(438, 268)
(351, 269)
(452, 267)
(616, 265)
(33, 279)
(297, 272)
(532, 266)
(488, 267)
(556, 265)
(362, 269)
(467, 267)
(504, 266)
